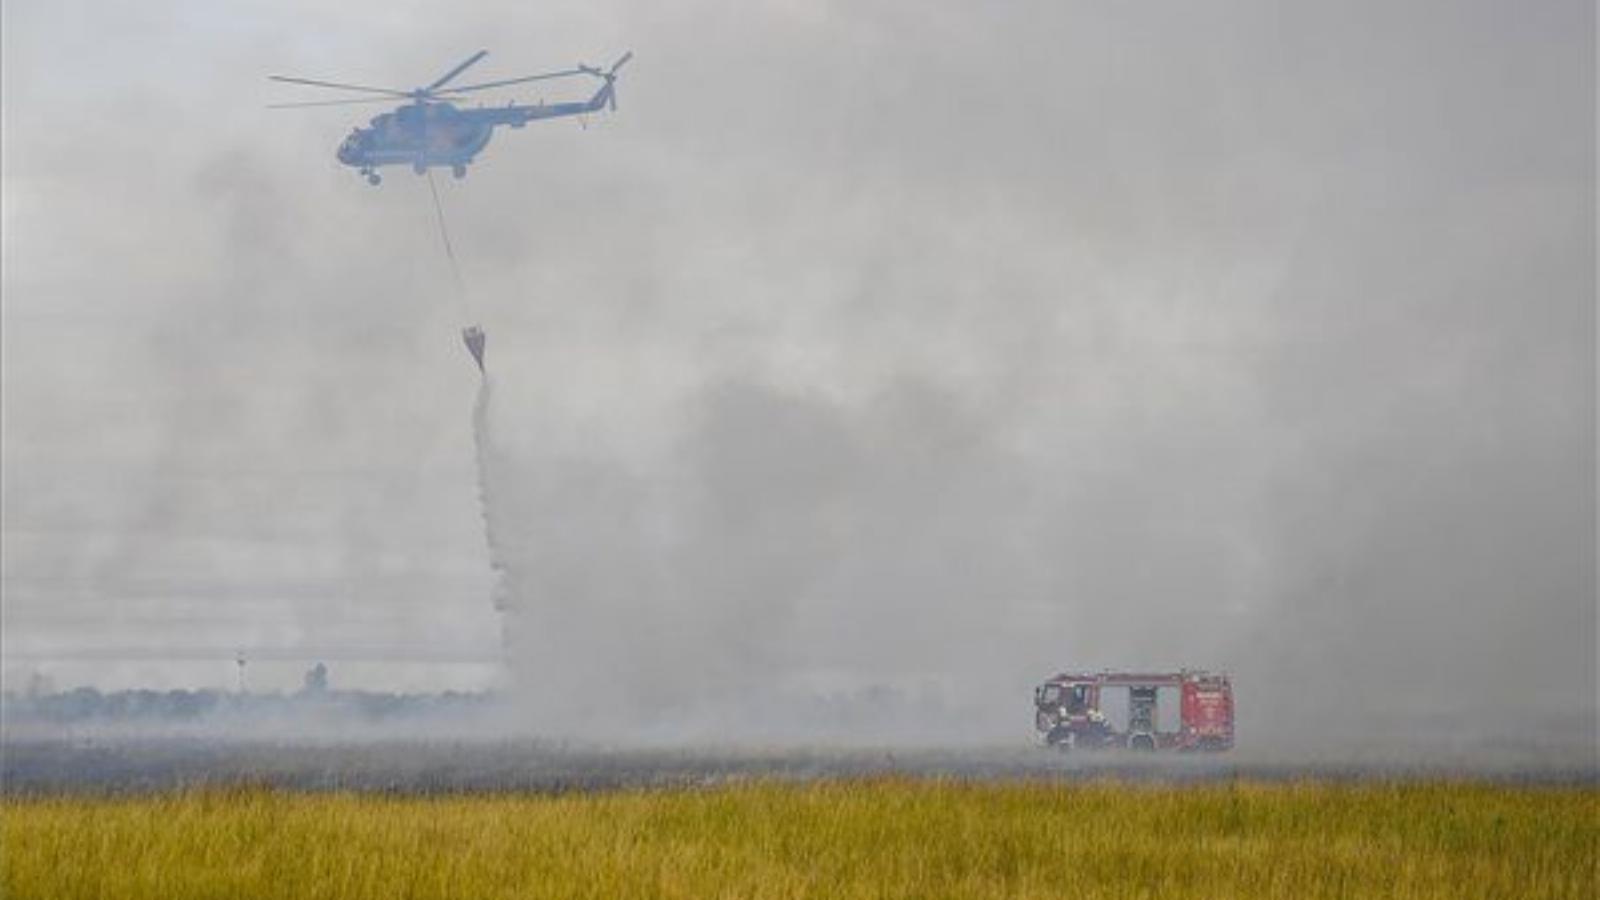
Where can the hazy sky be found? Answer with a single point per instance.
(932, 344)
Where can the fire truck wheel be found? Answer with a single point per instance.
(1142, 742)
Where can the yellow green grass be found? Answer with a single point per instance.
(876, 838)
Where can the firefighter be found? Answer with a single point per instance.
(1097, 728)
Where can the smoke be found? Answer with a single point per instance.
(872, 363)
(1212, 353)
(793, 567)
(785, 558)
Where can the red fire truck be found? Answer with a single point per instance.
(1080, 710)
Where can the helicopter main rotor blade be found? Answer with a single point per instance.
(330, 102)
(564, 73)
(621, 62)
(456, 71)
(343, 87)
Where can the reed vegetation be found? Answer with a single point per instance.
(868, 838)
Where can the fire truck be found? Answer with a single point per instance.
(1185, 710)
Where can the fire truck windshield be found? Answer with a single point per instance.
(1074, 697)
(1078, 699)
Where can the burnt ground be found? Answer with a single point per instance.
(422, 766)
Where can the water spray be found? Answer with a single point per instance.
(473, 336)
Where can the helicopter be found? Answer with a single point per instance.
(431, 131)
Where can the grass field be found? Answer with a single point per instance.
(870, 838)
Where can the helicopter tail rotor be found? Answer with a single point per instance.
(611, 78)
(609, 92)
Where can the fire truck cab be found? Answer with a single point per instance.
(1071, 710)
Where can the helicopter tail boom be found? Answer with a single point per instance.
(606, 95)
(517, 116)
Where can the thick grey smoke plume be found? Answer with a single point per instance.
(880, 357)
(1274, 366)
(783, 556)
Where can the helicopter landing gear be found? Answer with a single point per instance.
(419, 167)
(458, 170)
(373, 178)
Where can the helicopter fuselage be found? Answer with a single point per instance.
(429, 131)
(426, 134)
